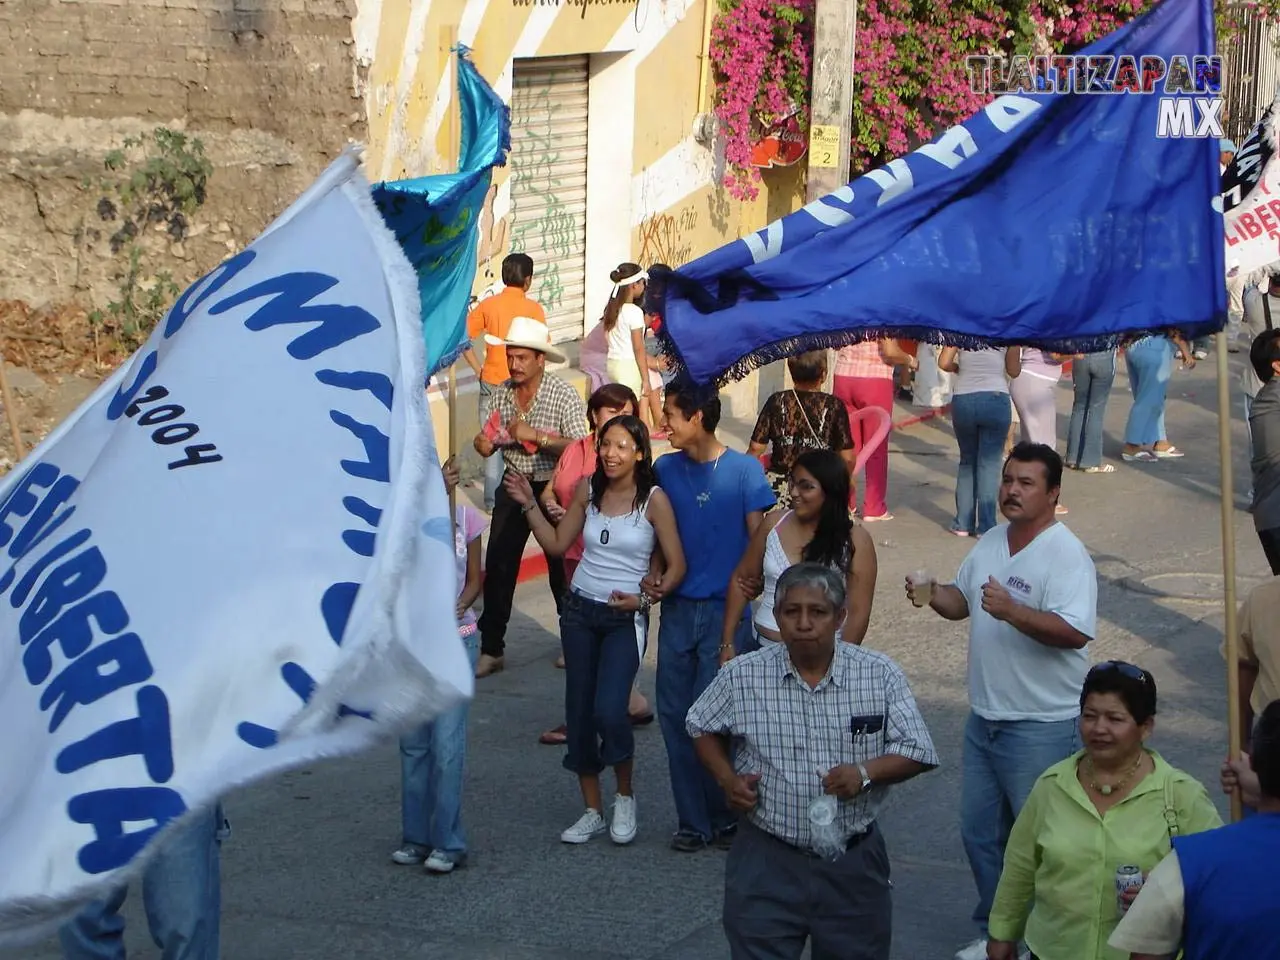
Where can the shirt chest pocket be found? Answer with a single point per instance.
(861, 737)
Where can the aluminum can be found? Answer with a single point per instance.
(1128, 878)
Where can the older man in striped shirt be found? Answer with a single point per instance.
(813, 718)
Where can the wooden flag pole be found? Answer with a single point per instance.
(449, 40)
(11, 413)
(1231, 646)
(453, 432)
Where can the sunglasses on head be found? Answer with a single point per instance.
(1125, 669)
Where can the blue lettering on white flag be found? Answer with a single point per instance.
(336, 324)
(58, 597)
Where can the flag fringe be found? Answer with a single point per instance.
(834, 340)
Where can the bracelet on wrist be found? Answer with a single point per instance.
(528, 507)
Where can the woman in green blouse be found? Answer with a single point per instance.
(1114, 803)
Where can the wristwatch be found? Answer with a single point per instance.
(866, 778)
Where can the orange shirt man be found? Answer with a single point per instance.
(493, 316)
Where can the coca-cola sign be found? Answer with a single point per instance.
(782, 145)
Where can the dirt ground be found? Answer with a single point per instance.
(52, 362)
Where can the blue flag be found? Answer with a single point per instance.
(436, 218)
(1054, 220)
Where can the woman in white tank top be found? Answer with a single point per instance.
(621, 515)
(817, 528)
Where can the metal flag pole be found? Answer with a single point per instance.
(1232, 640)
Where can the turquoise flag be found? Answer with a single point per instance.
(436, 218)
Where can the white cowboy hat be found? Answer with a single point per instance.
(530, 334)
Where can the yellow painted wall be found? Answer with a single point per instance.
(410, 66)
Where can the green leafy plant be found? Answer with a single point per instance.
(155, 182)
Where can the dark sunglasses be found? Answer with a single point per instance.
(1125, 669)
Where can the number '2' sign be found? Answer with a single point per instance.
(824, 145)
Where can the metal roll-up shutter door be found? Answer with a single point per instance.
(549, 184)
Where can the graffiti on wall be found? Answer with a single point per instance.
(666, 237)
(544, 225)
(493, 240)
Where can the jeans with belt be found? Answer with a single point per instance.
(181, 894)
(602, 649)
(1091, 379)
(688, 658)
(981, 422)
(1001, 762)
(1149, 363)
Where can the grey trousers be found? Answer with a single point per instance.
(776, 897)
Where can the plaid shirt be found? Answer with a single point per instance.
(862, 360)
(862, 709)
(557, 409)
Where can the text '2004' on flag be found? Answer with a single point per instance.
(1053, 220)
(237, 556)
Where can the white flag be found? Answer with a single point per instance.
(1251, 197)
(234, 558)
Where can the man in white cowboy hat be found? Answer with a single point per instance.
(537, 416)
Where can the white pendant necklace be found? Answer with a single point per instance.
(1106, 789)
(704, 497)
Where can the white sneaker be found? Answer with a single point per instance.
(974, 951)
(623, 829)
(442, 862)
(409, 855)
(589, 825)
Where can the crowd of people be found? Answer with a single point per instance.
(784, 735)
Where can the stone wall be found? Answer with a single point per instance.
(268, 85)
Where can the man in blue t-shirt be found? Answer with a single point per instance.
(719, 496)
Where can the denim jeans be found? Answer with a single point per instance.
(1091, 379)
(1149, 362)
(432, 762)
(1001, 762)
(688, 658)
(981, 422)
(181, 893)
(494, 466)
(602, 650)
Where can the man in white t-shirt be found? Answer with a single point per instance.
(1030, 593)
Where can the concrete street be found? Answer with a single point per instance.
(306, 873)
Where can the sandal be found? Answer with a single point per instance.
(1169, 453)
(1142, 456)
(556, 737)
(1104, 468)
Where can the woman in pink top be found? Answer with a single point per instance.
(578, 462)
(864, 378)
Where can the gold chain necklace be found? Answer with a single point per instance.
(1107, 789)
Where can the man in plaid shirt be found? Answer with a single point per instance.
(813, 718)
(531, 419)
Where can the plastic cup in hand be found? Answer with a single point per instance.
(921, 588)
(822, 811)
